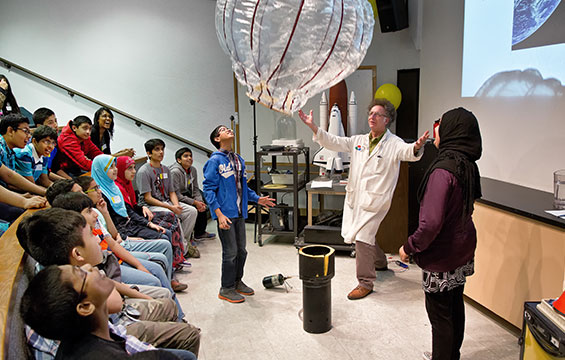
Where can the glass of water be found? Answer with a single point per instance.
(559, 189)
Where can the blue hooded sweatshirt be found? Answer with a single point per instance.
(220, 189)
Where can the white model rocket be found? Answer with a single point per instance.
(324, 112)
(352, 116)
(326, 159)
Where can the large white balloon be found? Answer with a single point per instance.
(286, 51)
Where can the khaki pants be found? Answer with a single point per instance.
(367, 258)
(173, 335)
(163, 309)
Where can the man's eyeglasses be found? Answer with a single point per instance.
(83, 282)
(96, 188)
(25, 130)
(378, 114)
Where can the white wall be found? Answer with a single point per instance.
(523, 138)
(159, 61)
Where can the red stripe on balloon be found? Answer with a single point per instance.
(331, 50)
(323, 40)
(289, 40)
(285, 99)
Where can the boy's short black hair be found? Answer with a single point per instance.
(50, 235)
(84, 182)
(43, 132)
(180, 152)
(12, 120)
(215, 133)
(151, 144)
(58, 187)
(40, 115)
(74, 201)
(81, 119)
(49, 306)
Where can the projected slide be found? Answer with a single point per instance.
(514, 48)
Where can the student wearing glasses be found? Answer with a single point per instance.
(373, 174)
(226, 191)
(71, 309)
(68, 303)
(14, 133)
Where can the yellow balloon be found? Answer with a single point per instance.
(389, 92)
(374, 5)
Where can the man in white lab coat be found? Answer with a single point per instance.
(373, 174)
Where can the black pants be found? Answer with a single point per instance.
(446, 312)
(201, 223)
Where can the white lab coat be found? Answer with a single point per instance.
(372, 180)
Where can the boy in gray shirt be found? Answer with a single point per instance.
(155, 185)
(185, 185)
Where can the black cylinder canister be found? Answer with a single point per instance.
(271, 281)
(316, 268)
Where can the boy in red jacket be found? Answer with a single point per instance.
(76, 149)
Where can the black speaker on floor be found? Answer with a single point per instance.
(393, 14)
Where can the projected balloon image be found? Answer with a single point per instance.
(286, 51)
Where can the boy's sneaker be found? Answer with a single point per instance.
(205, 236)
(427, 355)
(243, 289)
(230, 295)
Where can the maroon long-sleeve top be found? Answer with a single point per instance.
(444, 240)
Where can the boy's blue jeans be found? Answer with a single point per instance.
(233, 252)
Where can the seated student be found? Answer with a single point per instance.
(45, 116)
(155, 185)
(76, 150)
(134, 270)
(166, 219)
(103, 130)
(61, 187)
(31, 161)
(78, 246)
(139, 247)
(129, 223)
(15, 132)
(68, 303)
(8, 103)
(185, 185)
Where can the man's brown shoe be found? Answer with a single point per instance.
(358, 293)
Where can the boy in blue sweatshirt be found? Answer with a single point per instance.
(227, 194)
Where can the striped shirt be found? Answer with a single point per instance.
(7, 155)
(29, 163)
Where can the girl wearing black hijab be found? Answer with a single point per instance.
(445, 241)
